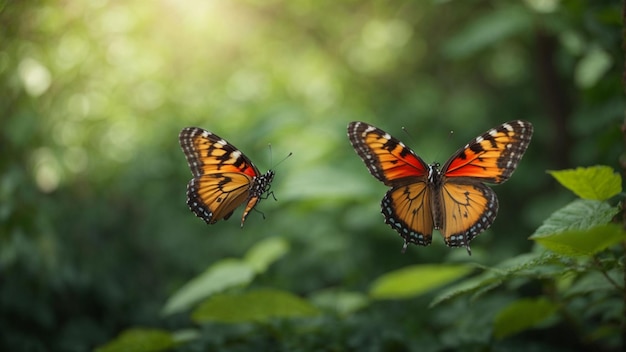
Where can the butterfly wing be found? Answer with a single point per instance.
(215, 196)
(223, 175)
(387, 159)
(467, 209)
(466, 206)
(407, 209)
(493, 156)
(407, 206)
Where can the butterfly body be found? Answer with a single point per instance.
(223, 177)
(452, 199)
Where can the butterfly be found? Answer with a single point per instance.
(452, 199)
(223, 177)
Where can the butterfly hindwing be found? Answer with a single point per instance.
(407, 209)
(224, 178)
(467, 209)
(215, 196)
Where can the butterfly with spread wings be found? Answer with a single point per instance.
(223, 177)
(452, 199)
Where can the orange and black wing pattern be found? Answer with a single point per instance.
(407, 206)
(493, 156)
(466, 210)
(453, 199)
(468, 206)
(387, 159)
(223, 177)
(407, 209)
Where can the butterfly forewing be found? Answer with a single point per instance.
(387, 159)
(224, 178)
(494, 155)
(208, 153)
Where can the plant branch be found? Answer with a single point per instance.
(600, 267)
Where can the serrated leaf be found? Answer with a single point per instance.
(414, 280)
(140, 340)
(485, 281)
(521, 315)
(524, 265)
(580, 214)
(218, 277)
(596, 182)
(594, 282)
(254, 306)
(266, 252)
(341, 302)
(583, 242)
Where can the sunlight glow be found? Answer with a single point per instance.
(543, 6)
(46, 170)
(35, 76)
(380, 45)
(246, 84)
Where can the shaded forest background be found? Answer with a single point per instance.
(95, 234)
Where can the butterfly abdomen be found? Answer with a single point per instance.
(260, 186)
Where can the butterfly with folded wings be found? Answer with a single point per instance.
(223, 177)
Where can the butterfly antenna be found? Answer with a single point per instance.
(283, 159)
(272, 166)
(406, 131)
(469, 251)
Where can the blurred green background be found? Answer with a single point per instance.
(95, 234)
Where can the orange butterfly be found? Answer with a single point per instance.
(223, 177)
(453, 199)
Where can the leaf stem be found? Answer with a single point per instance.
(606, 275)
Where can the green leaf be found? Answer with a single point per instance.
(483, 283)
(581, 214)
(529, 265)
(583, 242)
(341, 302)
(414, 280)
(140, 340)
(521, 315)
(266, 252)
(594, 282)
(255, 306)
(218, 277)
(596, 182)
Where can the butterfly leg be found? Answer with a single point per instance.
(268, 194)
(260, 212)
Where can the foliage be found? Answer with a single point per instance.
(99, 251)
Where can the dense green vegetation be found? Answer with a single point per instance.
(99, 250)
